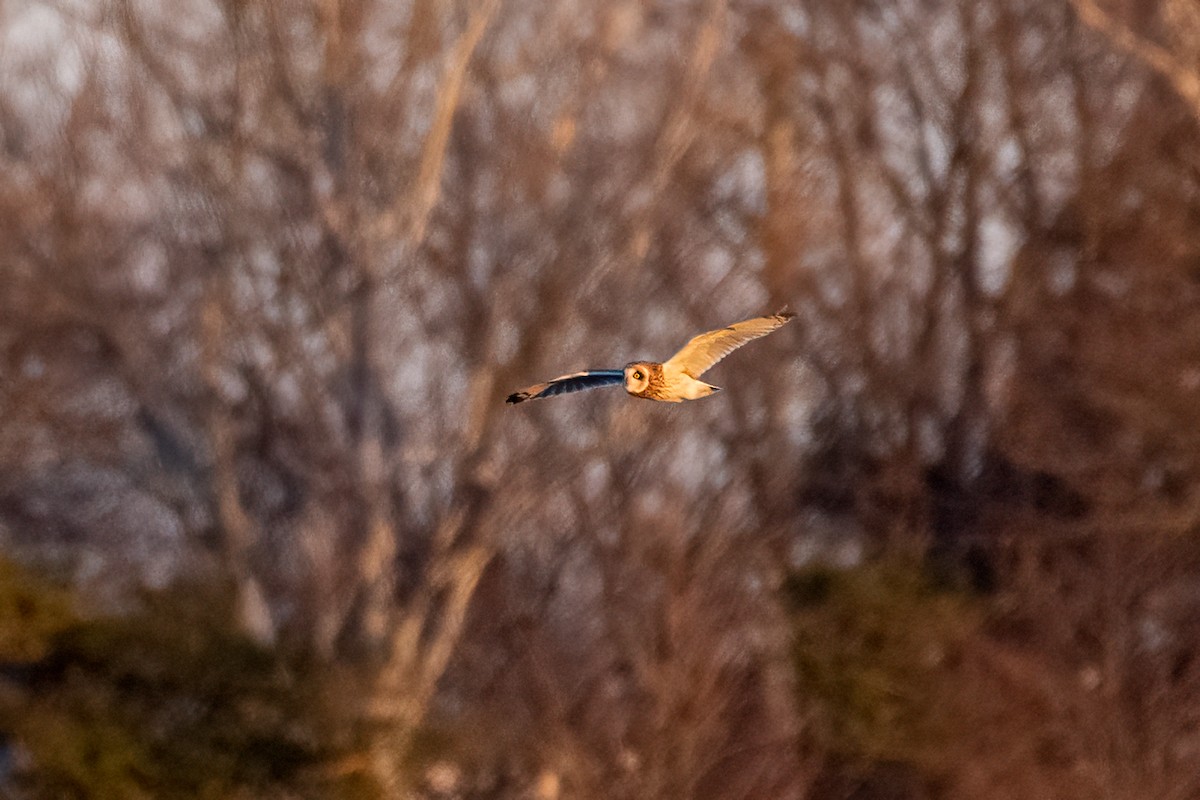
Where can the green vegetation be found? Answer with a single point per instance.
(168, 702)
(872, 646)
(32, 612)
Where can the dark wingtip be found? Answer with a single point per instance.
(784, 314)
(516, 397)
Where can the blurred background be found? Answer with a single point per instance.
(268, 270)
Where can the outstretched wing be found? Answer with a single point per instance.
(576, 382)
(698, 355)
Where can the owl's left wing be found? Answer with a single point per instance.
(699, 354)
(575, 382)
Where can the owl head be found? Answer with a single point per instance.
(637, 377)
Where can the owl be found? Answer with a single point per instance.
(672, 381)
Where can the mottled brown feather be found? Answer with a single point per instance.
(703, 351)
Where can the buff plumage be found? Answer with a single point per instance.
(672, 381)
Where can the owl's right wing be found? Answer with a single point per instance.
(575, 382)
(699, 354)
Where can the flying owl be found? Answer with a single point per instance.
(674, 380)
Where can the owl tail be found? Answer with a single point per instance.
(697, 389)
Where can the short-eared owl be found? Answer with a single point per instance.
(672, 381)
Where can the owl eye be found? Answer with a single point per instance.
(637, 374)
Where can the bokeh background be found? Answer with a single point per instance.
(268, 270)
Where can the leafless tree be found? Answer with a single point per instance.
(270, 268)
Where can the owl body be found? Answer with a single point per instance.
(664, 382)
